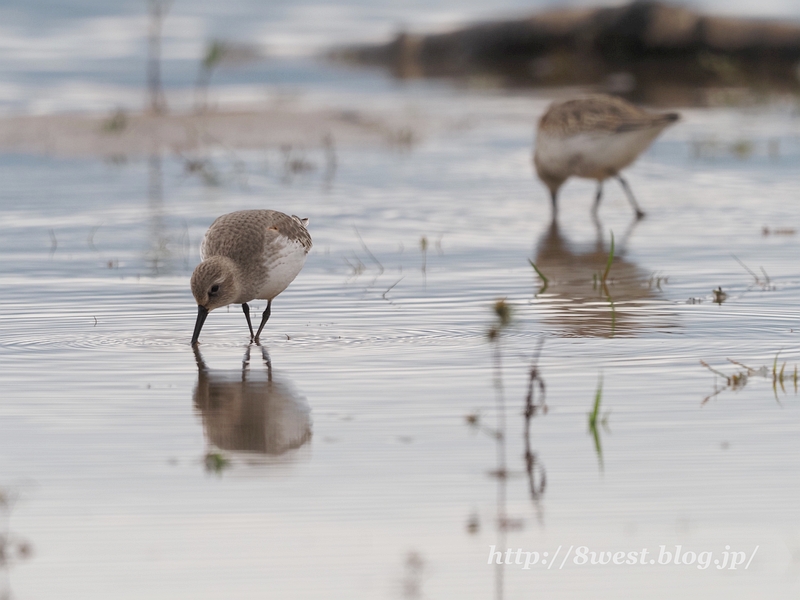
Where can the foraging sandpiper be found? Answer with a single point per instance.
(594, 137)
(248, 255)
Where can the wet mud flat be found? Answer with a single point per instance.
(361, 441)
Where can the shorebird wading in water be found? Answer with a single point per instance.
(594, 137)
(248, 255)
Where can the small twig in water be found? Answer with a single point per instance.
(389, 289)
(423, 245)
(367, 250)
(53, 242)
(746, 268)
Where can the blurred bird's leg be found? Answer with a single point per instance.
(631, 199)
(598, 197)
(554, 200)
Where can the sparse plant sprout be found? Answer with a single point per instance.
(217, 53)
(596, 419)
(603, 281)
(742, 148)
(544, 279)
(216, 462)
(610, 260)
(117, 122)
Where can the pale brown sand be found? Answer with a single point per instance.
(137, 135)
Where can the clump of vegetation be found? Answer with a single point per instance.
(216, 462)
(738, 379)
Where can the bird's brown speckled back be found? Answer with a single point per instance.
(599, 113)
(236, 234)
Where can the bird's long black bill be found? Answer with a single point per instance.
(202, 313)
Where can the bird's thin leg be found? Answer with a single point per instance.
(598, 196)
(631, 199)
(246, 310)
(264, 319)
(554, 200)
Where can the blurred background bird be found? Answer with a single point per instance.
(594, 137)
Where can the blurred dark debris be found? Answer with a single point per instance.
(719, 295)
(401, 137)
(13, 549)
(414, 567)
(295, 162)
(765, 231)
(653, 52)
(473, 524)
(712, 148)
(117, 122)
(511, 524)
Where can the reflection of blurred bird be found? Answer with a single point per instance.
(578, 303)
(594, 137)
(248, 255)
(254, 412)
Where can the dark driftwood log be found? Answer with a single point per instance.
(635, 48)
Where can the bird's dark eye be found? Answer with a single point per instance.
(214, 288)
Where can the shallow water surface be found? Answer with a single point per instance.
(355, 454)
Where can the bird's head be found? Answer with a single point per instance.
(215, 283)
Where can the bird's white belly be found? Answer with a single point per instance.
(282, 266)
(595, 155)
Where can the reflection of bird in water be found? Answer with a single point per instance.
(576, 300)
(595, 138)
(248, 255)
(250, 411)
